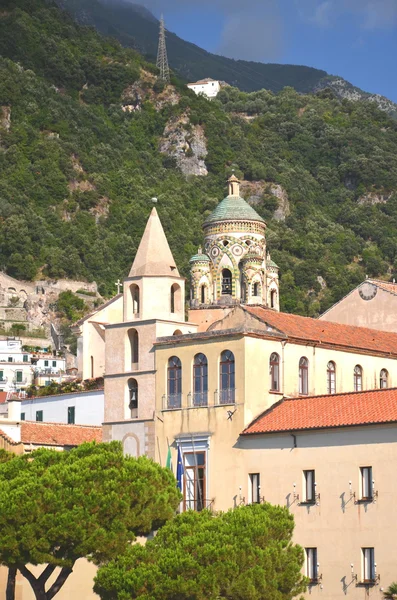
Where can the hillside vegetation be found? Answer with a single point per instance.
(78, 173)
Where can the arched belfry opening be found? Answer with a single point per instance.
(134, 290)
(133, 398)
(227, 282)
(175, 298)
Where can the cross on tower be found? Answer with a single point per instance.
(119, 285)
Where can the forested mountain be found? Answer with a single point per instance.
(82, 122)
(136, 27)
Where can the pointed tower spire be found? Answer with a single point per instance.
(162, 59)
(154, 256)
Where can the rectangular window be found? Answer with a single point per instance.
(22, 416)
(194, 481)
(10, 359)
(71, 415)
(19, 377)
(54, 363)
(368, 565)
(39, 415)
(1, 375)
(366, 483)
(25, 358)
(46, 363)
(254, 491)
(311, 564)
(309, 485)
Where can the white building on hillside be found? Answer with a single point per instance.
(206, 87)
(75, 408)
(15, 365)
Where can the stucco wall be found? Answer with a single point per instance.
(89, 408)
(378, 313)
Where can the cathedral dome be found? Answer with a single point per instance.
(233, 207)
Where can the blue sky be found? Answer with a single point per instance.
(356, 39)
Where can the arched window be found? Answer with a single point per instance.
(273, 299)
(202, 294)
(226, 282)
(358, 378)
(177, 332)
(200, 380)
(134, 346)
(304, 376)
(255, 289)
(134, 289)
(133, 397)
(331, 377)
(174, 386)
(227, 379)
(175, 298)
(275, 372)
(384, 379)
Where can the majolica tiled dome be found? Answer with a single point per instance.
(200, 257)
(233, 208)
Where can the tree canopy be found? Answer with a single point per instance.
(90, 502)
(244, 554)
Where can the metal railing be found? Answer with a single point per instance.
(225, 396)
(198, 399)
(172, 401)
(198, 505)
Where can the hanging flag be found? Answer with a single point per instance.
(168, 463)
(179, 470)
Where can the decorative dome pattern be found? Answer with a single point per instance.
(233, 208)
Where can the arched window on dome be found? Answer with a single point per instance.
(256, 289)
(226, 282)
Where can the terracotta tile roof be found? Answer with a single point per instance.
(3, 397)
(385, 285)
(323, 412)
(326, 332)
(58, 434)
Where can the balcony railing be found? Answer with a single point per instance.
(172, 401)
(3, 379)
(198, 399)
(225, 396)
(22, 381)
(198, 505)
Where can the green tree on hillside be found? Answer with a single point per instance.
(57, 507)
(245, 554)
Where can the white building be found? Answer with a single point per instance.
(207, 87)
(15, 366)
(75, 408)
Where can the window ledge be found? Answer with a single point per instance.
(366, 583)
(307, 503)
(364, 500)
(276, 392)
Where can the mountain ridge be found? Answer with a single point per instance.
(189, 61)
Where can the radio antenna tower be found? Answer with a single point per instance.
(162, 60)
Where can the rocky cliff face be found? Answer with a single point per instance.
(186, 143)
(344, 89)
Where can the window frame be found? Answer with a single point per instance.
(174, 398)
(303, 376)
(311, 556)
(227, 369)
(200, 380)
(254, 490)
(309, 486)
(331, 377)
(358, 378)
(23, 416)
(368, 565)
(199, 504)
(366, 484)
(39, 416)
(71, 415)
(274, 368)
(383, 378)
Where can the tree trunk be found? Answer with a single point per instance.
(38, 583)
(10, 591)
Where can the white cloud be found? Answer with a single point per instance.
(370, 14)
